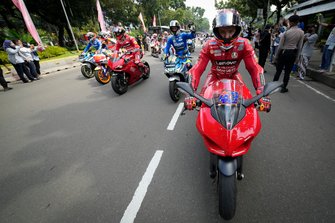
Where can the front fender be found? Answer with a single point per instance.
(85, 63)
(178, 77)
(227, 166)
(174, 78)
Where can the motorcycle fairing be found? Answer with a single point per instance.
(176, 66)
(218, 138)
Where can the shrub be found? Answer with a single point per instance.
(52, 51)
(4, 57)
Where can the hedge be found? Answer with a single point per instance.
(50, 51)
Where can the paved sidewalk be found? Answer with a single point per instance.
(47, 67)
(327, 78)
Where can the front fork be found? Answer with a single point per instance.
(227, 166)
(104, 70)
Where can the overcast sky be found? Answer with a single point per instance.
(208, 5)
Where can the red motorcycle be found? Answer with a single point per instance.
(126, 72)
(104, 63)
(228, 122)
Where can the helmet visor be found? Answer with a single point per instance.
(227, 19)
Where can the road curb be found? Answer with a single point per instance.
(326, 78)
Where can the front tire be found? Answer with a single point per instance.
(227, 196)
(86, 70)
(101, 78)
(119, 85)
(174, 92)
(146, 73)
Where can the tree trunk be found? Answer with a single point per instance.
(70, 40)
(265, 15)
(278, 12)
(61, 35)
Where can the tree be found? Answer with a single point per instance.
(79, 12)
(248, 8)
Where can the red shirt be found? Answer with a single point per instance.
(225, 63)
(127, 42)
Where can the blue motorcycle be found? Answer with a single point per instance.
(175, 68)
(88, 64)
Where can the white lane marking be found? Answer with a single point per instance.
(318, 92)
(175, 117)
(135, 204)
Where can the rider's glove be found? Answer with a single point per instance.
(165, 56)
(191, 26)
(264, 104)
(190, 103)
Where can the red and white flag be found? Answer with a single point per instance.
(101, 17)
(27, 19)
(142, 21)
(154, 21)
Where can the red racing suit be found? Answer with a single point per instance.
(225, 63)
(129, 44)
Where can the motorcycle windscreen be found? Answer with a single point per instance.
(174, 64)
(227, 99)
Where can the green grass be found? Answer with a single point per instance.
(67, 54)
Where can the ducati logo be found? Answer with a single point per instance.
(234, 55)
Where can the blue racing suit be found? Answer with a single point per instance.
(179, 43)
(95, 43)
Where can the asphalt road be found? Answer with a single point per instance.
(75, 151)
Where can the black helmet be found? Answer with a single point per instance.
(174, 23)
(226, 18)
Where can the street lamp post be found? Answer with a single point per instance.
(159, 19)
(68, 22)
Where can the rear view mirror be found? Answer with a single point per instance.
(186, 87)
(271, 87)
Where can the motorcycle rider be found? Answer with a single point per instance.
(178, 40)
(106, 42)
(225, 51)
(93, 41)
(154, 44)
(124, 41)
(164, 38)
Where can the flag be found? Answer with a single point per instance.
(27, 19)
(141, 19)
(101, 17)
(154, 21)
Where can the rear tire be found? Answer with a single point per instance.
(118, 85)
(227, 196)
(86, 70)
(174, 92)
(101, 78)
